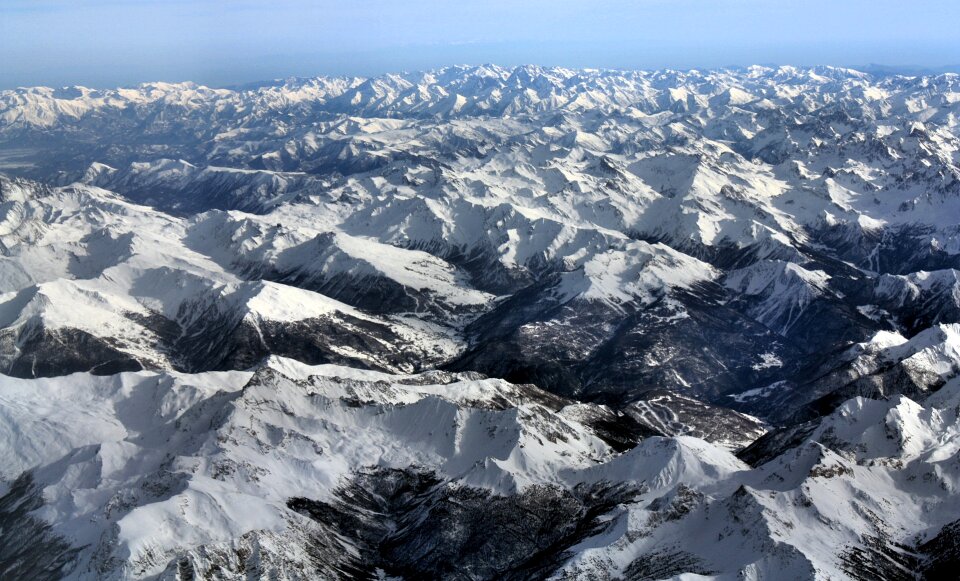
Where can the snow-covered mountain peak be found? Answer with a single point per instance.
(499, 322)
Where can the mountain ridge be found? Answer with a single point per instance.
(697, 322)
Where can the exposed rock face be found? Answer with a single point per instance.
(424, 529)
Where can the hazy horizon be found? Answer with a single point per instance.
(230, 83)
(106, 43)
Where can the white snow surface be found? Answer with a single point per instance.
(223, 451)
(414, 204)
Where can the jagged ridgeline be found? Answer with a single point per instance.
(482, 323)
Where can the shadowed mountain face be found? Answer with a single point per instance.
(573, 295)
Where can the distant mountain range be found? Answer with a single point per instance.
(483, 323)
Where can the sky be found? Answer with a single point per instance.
(105, 43)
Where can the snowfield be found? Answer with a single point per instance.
(483, 323)
(177, 472)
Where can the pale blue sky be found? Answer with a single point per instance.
(112, 42)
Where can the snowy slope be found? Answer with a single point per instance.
(442, 195)
(261, 471)
(545, 225)
(353, 327)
